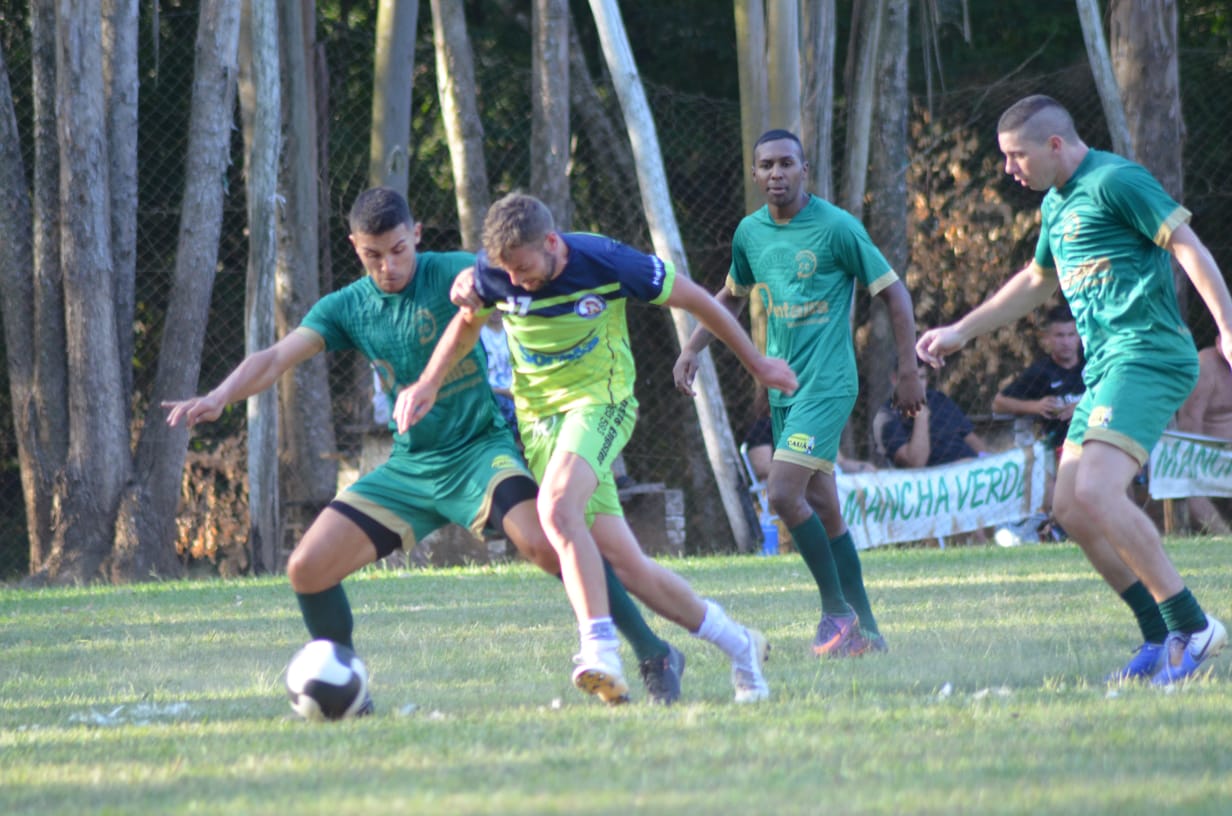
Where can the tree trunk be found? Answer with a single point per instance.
(861, 93)
(1143, 42)
(601, 131)
(146, 527)
(121, 84)
(754, 88)
(549, 129)
(99, 462)
(455, 82)
(887, 208)
(665, 234)
(49, 397)
(16, 258)
(308, 472)
(391, 93)
(260, 101)
(1105, 77)
(783, 64)
(819, 25)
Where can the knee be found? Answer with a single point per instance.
(300, 572)
(790, 506)
(536, 548)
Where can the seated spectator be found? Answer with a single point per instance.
(1208, 411)
(939, 434)
(1048, 390)
(1052, 385)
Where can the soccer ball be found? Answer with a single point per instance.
(326, 681)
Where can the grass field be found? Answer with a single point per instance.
(167, 698)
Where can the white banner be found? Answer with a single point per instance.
(1184, 464)
(889, 506)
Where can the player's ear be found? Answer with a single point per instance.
(416, 233)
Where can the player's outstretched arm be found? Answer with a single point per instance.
(257, 372)
(769, 371)
(1203, 272)
(685, 369)
(416, 400)
(1027, 290)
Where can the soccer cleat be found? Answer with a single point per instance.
(1143, 665)
(750, 684)
(661, 676)
(832, 631)
(600, 677)
(1184, 652)
(367, 709)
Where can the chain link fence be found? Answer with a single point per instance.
(970, 227)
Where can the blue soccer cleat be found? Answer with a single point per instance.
(1143, 665)
(1184, 652)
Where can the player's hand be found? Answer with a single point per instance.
(462, 293)
(413, 404)
(684, 371)
(193, 411)
(1050, 407)
(775, 373)
(909, 396)
(935, 344)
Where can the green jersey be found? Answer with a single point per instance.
(397, 333)
(804, 272)
(569, 341)
(1105, 233)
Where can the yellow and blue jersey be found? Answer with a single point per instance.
(569, 341)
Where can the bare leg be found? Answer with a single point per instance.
(1119, 539)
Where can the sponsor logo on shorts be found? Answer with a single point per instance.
(504, 462)
(801, 443)
(590, 307)
(1100, 417)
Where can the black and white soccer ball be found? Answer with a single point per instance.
(327, 681)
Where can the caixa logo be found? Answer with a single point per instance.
(591, 306)
(801, 443)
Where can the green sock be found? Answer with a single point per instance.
(1150, 621)
(1181, 612)
(851, 577)
(629, 621)
(327, 615)
(814, 547)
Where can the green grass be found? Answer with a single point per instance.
(164, 698)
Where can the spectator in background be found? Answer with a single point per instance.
(939, 434)
(1052, 385)
(500, 370)
(1208, 411)
(1047, 391)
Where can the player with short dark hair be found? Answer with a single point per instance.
(564, 297)
(460, 464)
(802, 256)
(1108, 236)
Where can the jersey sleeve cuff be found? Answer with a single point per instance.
(1177, 217)
(882, 282)
(737, 289)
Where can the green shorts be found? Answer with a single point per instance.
(596, 433)
(413, 495)
(1129, 406)
(808, 433)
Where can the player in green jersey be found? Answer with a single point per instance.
(801, 257)
(1108, 236)
(564, 298)
(459, 465)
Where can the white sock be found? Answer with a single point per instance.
(720, 630)
(598, 637)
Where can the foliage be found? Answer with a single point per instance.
(966, 240)
(141, 700)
